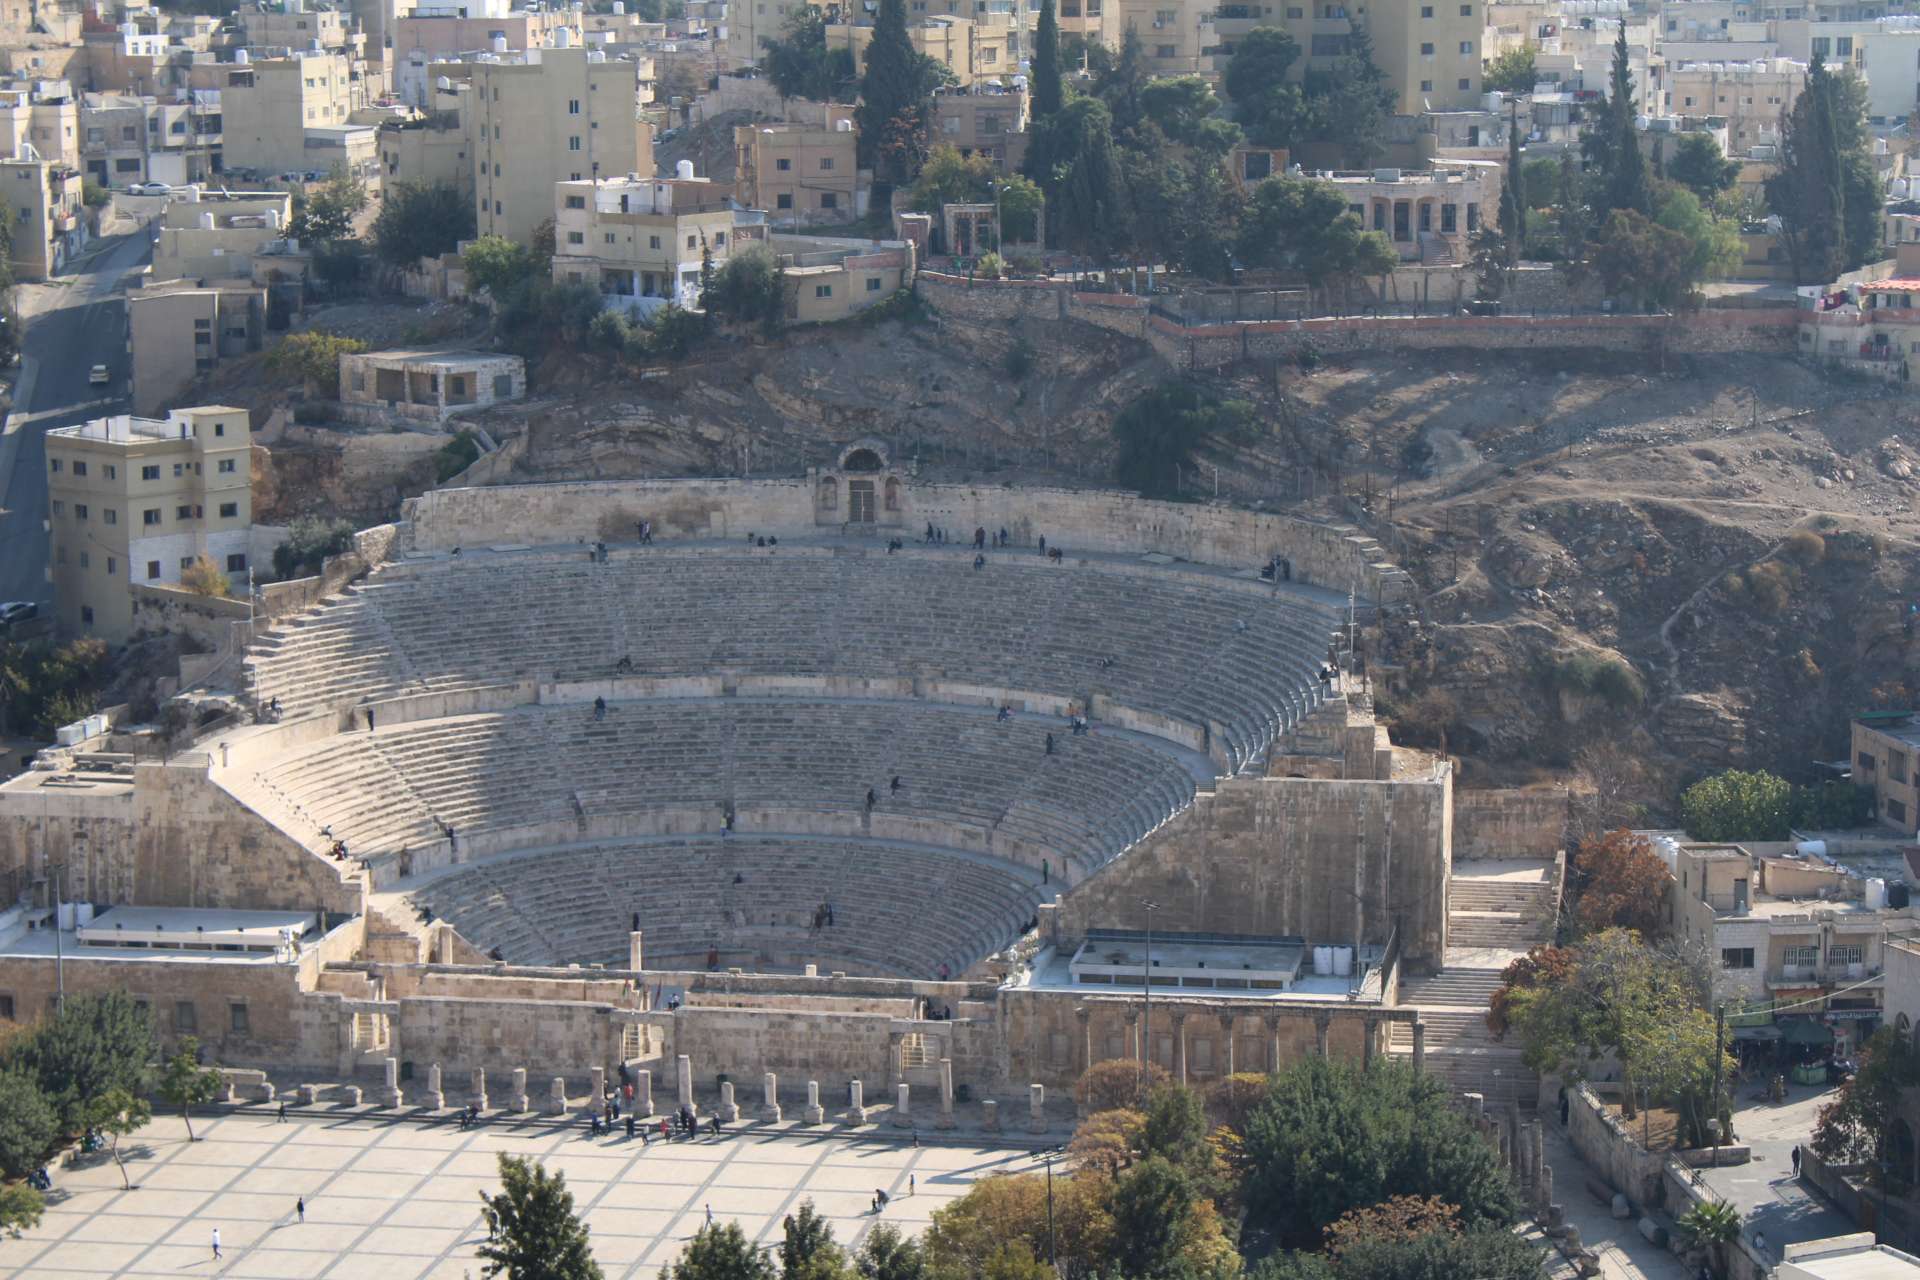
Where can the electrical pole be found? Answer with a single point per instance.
(59, 960)
(1146, 1021)
(1719, 1030)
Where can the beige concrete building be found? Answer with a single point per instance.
(831, 280)
(971, 53)
(126, 138)
(1886, 758)
(439, 34)
(181, 329)
(1428, 216)
(213, 235)
(640, 242)
(297, 26)
(993, 124)
(1792, 930)
(137, 500)
(430, 385)
(270, 106)
(800, 174)
(550, 115)
(435, 146)
(48, 222)
(1750, 96)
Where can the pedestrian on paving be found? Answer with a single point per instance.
(1043, 544)
(300, 1208)
(630, 1126)
(283, 1111)
(913, 1187)
(216, 1244)
(1796, 1160)
(1049, 744)
(709, 1215)
(980, 539)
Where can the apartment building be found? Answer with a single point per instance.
(181, 329)
(138, 500)
(1428, 216)
(42, 118)
(269, 105)
(969, 52)
(127, 138)
(209, 235)
(442, 33)
(1886, 758)
(992, 123)
(1750, 96)
(435, 146)
(829, 279)
(1788, 930)
(564, 114)
(293, 25)
(798, 173)
(640, 240)
(40, 178)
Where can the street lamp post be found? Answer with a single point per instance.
(1146, 976)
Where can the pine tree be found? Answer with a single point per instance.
(893, 92)
(1513, 200)
(1352, 99)
(535, 1233)
(807, 1248)
(1809, 192)
(1047, 90)
(1627, 186)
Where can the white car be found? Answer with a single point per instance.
(149, 189)
(98, 376)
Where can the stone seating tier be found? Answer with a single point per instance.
(1195, 646)
(967, 779)
(896, 910)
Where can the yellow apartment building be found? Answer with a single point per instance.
(800, 173)
(640, 241)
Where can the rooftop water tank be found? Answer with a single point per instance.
(1812, 848)
(843, 126)
(619, 7)
(1876, 894)
(240, 57)
(499, 44)
(1323, 960)
(444, 84)
(206, 222)
(563, 38)
(684, 169)
(1343, 962)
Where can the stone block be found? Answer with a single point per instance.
(990, 1116)
(557, 1097)
(902, 1106)
(729, 1112)
(815, 1113)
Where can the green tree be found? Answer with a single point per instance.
(1736, 805)
(1511, 72)
(115, 1113)
(1304, 225)
(310, 540)
(20, 1208)
(721, 1251)
(92, 1046)
(951, 178)
(535, 1233)
(420, 220)
(1158, 433)
(1642, 260)
(1485, 1254)
(1857, 1125)
(1714, 246)
(1176, 1127)
(205, 578)
(185, 1083)
(1152, 1219)
(313, 357)
(44, 686)
(1331, 1137)
(1048, 91)
(801, 65)
(807, 1248)
(894, 97)
(1612, 146)
(1826, 192)
(497, 265)
(1087, 201)
(1351, 99)
(1272, 110)
(1698, 166)
(1513, 197)
(1711, 1225)
(751, 288)
(887, 1255)
(1122, 83)
(327, 214)
(1182, 108)
(1571, 198)
(1020, 206)
(28, 1123)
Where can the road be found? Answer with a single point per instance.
(1775, 1204)
(82, 323)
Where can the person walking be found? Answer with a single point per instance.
(216, 1244)
(300, 1208)
(709, 1215)
(913, 1186)
(283, 1112)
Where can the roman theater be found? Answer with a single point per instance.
(507, 801)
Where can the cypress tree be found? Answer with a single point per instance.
(1513, 200)
(1626, 175)
(1047, 90)
(890, 89)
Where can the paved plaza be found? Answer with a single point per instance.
(397, 1200)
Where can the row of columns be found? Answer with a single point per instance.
(1177, 1018)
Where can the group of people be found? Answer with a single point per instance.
(756, 540)
(271, 713)
(645, 529)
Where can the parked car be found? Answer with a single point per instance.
(98, 376)
(149, 189)
(18, 611)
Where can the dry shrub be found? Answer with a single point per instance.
(1804, 546)
(1117, 1084)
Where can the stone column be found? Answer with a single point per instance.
(1368, 1029)
(1226, 1025)
(1085, 1017)
(634, 954)
(557, 1097)
(857, 1109)
(990, 1116)
(478, 1087)
(351, 1095)
(597, 1087)
(643, 1094)
(1036, 1108)
(896, 1053)
(902, 1109)
(1137, 1052)
(1273, 1045)
(390, 1095)
(520, 1099)
(1179, 1021)
(684, 1066)
(728, 1111)
(436, 1096)
(1321, 1025)
(815, 1113)
(770, 1099)
(1419, 1046)
(946, 1094)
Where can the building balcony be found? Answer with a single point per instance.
(1864, 978)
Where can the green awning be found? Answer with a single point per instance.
(1805, 1032)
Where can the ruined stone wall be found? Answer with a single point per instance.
(1509, 824)
(1331, 860)
(548, 1036)
(825, 1045)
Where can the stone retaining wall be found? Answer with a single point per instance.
(1509, 823)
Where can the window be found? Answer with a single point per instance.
(1843, 46)
(151, 516)
(1426, 11)
(183, 512)
(782, 201)
(576, 202)
(783, 164)
(126, 166)
(1466, 11)
(1449, 218)
(1426, 86)
(110, 514)
(1848, 953)
(6, 1008)
(79, 511)
(823, 291)
(692, 242)
(184, 1018)
(1864, 764)
(1465, 83)
(227, 465)
(228, 510)
(153, 570)
(1736, 957)
(237, 1018)
(149, 473)
(113, 566)
(873, 284)
(59, 507)
(653, 242)
(1822, 46)
(828, 200)
(86, 615)
(79, 467)
(1800, 957)
(113, 472)
(576, 237)
(237, 562)
(54, 464)
(1165, 51)
(186, 563)
(573, 142)
(1466, 47)
(609, 237)
(573, 106)
(1897, 765)
(1294, 13)
(1473, 217)
(1426, 49)
(220, 429)
(1897, 811)
(826, 163)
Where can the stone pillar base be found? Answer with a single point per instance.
(902, 1119)
(856, 1115)
(305, 1094)
(729, 1113)
(436, 1101)
(770, 1113)
(814, 1114)
(352, 1095)
(267, 1092)
(521, 1102)
(990, 1116)
(393, 1099)
(944, 1120)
